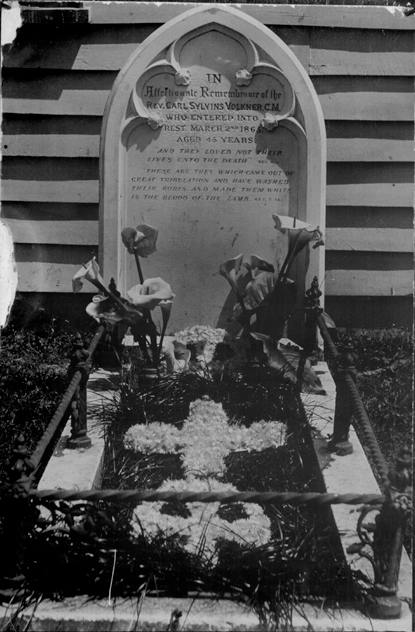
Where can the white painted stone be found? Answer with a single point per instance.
(346, 474)
(211, 127)
(81, 469)
(152, 613)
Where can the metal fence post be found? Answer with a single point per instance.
(80, 361)
(343, 412)
(312, 310)
(387, 544)
(14, 512)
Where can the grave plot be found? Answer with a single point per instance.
(212, 129)
(212, 175)
(228, 427)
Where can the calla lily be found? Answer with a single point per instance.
(140, 240)
(299, 235)
(177, 356)
(298, 231)
(229, 269)
(90, 272)
(151, 293)
(103, 308)
(254, 264)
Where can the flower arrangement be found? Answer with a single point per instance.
(143, 298)
(269, 296)
(269, 300)
(204, 528)
(205, 440)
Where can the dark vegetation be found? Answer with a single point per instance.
(384, 362)
(33, 366)
(302, 541)
(34, 359)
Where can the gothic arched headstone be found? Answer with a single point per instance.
(211, 127)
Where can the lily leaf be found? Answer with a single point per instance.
(291, 363)
(258, 289)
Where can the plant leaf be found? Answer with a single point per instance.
(292, 364)
(329, 322)
(259, 288)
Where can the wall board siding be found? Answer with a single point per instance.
(317, 62)
(359, 17)
(86, 146)
(369, 150)
(86, 191)
(322, 51)
(46, 168)
(369, 239)
(369, 282)
(345, 52)
(371, 106)
(76, 93)
(377, 312)
(369, 217)
(373, 194)
(83, 191)
(86, 233)
(44, 92)
(49, 211)
(55, 253)
(368, 260)
(68, 145)
(55, 277)
(47, 277)
(53, 232)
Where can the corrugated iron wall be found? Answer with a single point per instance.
(56, 79)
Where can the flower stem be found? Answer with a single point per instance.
(138, 264)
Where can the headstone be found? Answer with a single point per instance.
(212, 126)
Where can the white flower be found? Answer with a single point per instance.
(204, 529)
(205, 440)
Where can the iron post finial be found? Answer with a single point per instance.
(80, 361)
(312, 310)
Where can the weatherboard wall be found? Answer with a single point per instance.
(56, 79)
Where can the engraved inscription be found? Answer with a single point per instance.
(212, 147)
